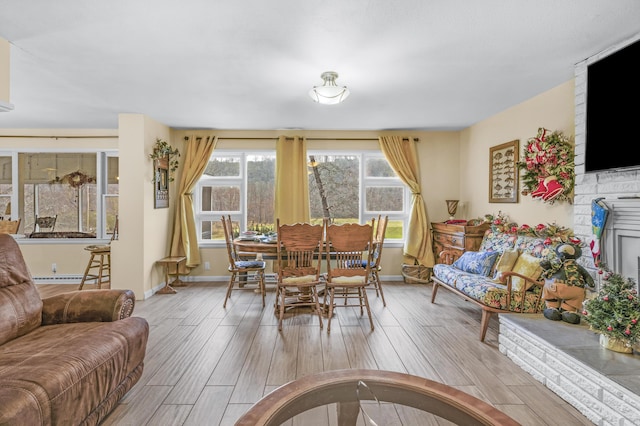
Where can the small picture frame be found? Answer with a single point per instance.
(161, 183)
(503, 172)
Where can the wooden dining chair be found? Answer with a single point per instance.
(300, 247)
(378, 242)
(9, 226)
(348, 247)
(45, 223)
(245, 274)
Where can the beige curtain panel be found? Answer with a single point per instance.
(292, 181)
(184, 241)
(403, 158)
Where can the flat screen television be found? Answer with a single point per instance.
(613, 93)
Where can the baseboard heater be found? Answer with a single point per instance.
(58, 279)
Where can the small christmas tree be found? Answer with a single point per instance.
(615, 311)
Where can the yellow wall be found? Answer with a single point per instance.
(454, 165)
(553, 110)
(4, 71)
(144, 231)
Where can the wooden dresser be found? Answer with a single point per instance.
(459, 238)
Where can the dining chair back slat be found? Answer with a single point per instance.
(349, 256)
(374, 276)
(245, 274)
(45, 223)
(9, 226)
(299, 258)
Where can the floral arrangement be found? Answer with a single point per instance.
(74, 179)
(548, 167)
(615, 311)
(162, 149)
(551, 232)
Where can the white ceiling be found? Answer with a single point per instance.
(248, 64)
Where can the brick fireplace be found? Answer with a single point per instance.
(618, 188)
(603, 385)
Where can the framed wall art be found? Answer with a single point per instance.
(161, 182)
(503, 172)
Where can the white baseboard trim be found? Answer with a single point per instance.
(58, 279)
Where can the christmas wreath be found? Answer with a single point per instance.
(74, 179)
(548, 167)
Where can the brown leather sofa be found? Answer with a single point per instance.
(66, 359)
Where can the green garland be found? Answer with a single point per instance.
(551, 232)
(548, 156)
(615, 311)
(162, 149)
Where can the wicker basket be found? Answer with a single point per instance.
(416, 274)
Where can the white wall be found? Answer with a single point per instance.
(609, 184)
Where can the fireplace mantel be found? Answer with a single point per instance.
(621, 238)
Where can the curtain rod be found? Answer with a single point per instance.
(309, 139)
(186, 138)
(59, 137)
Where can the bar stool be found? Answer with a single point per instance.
(99, 267)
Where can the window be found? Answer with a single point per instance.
(81, 189)
(238, 184)
(111, 193)
(6, 187)
(347, 187)
(356, 187)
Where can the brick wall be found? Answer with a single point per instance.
(574, 368)
(601, 184)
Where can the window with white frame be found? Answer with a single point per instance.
(79, 188)
(348, 187)
(356, 187)
(6, 186)
(239, 184)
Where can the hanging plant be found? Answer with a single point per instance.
(548, 167)
(74, 179)
(162, 149)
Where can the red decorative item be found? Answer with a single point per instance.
(548, 168)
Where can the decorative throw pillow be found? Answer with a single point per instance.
(526, 265)
(477, 262)
(505, 262)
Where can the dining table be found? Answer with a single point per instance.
(266, 249)
(260, 246)
(263, 248)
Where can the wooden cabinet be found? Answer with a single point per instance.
(459, 238)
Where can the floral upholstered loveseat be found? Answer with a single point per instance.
(502, 276)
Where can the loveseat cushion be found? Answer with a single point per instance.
(505, 263)
(496, 296)
(476, 262)
(63, 373)
(497, 241)
(448, 274)
(533, 246)
(529, 266)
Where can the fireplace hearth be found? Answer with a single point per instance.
(568, 359)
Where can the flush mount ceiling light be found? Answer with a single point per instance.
(329, 93)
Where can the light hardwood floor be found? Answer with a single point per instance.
(206, 365)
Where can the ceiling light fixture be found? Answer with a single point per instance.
(329, 93)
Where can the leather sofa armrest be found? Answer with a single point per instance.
(88, 306)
